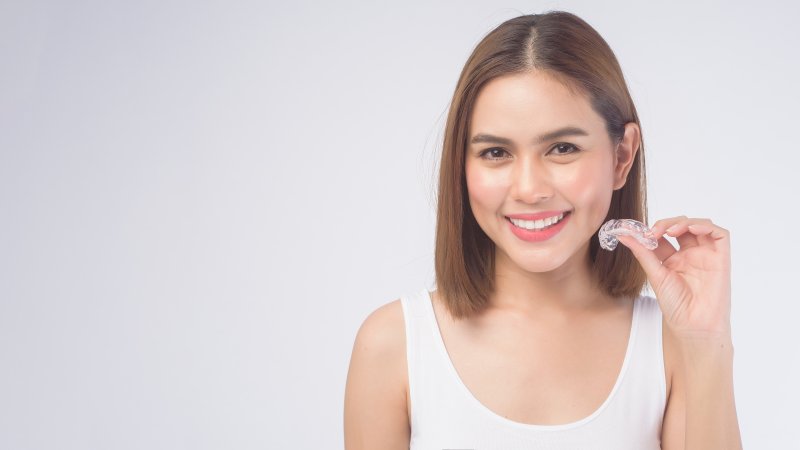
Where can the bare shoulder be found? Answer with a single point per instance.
(382, 339)
(375, 410)
(384, 328)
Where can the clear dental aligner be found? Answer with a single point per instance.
(615, 227)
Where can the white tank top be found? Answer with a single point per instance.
(445, 414)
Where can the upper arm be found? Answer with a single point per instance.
(375, 410)
(673, 429)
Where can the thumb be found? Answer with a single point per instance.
(647, 258)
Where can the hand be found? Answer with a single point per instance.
(693, 284)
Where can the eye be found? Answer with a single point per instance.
(563, 145)
(489, 151)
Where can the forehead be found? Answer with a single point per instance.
(531, 103)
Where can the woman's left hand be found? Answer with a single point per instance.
(692, 284)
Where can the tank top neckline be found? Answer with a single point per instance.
(453, 374)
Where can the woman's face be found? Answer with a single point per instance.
(535, 168)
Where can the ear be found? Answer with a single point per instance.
(625, 154)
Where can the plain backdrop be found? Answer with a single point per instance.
(200, 202)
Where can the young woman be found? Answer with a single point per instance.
(535, 337)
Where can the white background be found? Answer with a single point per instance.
(200, 202)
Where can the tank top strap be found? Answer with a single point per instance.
(414, 306)
(419, 355)
(649, 353)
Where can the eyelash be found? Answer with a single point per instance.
(485, 152)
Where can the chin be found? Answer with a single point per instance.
(544, 267)
(538, 262)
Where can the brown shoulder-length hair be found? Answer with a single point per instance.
(569, 49)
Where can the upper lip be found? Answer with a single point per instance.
(536, 216)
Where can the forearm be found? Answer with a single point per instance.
(711, 422)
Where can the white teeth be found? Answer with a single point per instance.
(537, 224)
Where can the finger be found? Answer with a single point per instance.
(702, 233)
(678, 227)
(648, 259)
(707, 233)
(709, 229)
(658, 228)
(665, 249)
(711, 234)
(680, 231)
(693, 232)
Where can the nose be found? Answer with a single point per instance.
(531, 181)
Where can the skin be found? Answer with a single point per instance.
(549, 279)
(547, 285)
(550, 346)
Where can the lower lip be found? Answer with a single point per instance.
(538, 236)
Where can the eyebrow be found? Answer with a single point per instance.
(555, 134)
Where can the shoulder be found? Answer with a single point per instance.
(649, 300)
(674, 422)
(668, 342)
(669, 345)
(375, 410)
(379, 350)
(383, 330)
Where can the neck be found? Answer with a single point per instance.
(567, 291)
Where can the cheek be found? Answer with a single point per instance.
(484, 187)
(591, 189)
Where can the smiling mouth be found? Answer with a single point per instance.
(563, 216)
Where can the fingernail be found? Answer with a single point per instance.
(672, 229)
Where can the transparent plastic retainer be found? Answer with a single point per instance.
(610, 230)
